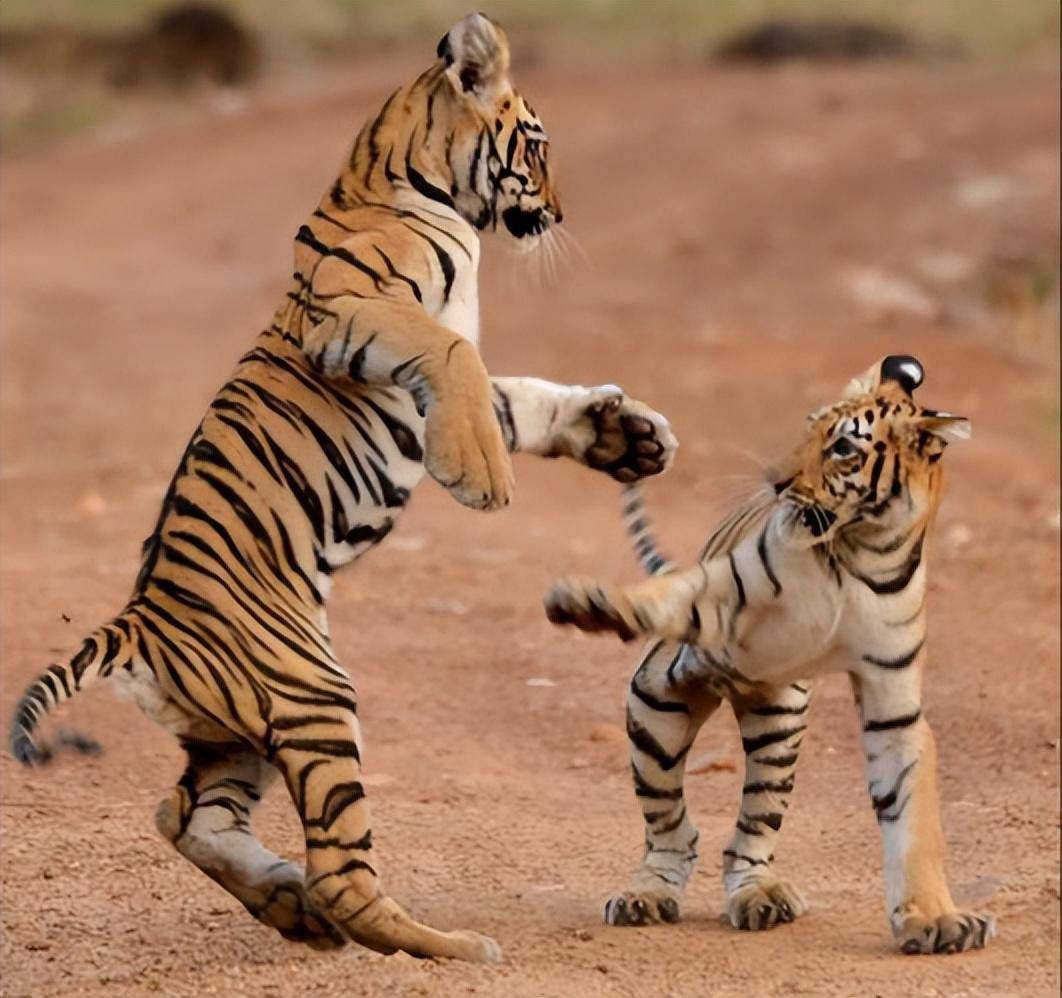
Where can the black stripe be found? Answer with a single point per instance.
(423, 186)
(643, 739)
(748, 859)
(738, 583)
(875, 475)
(761, 550)
(885, 801)
(642, 788)
(348, 867)
(673, 824)
(775, 710)
(769, 787)
(362, 845)
(398, 275)
(653, 703)
(899, 582)
(893, 722)
(445, 262)
(770, 738)
(896, 663)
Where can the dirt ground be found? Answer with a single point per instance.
(755, 239)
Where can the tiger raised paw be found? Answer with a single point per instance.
(599, 427)
(824, 569)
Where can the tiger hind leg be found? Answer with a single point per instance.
(322, 767)
(664, 713)
(207, 817)
(772, 723)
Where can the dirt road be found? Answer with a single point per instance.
(756, 240)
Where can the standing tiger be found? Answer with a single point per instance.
(368, 376)
(824, 571)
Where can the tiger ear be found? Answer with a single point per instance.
(945, 425)
(903, 369)
(476, 53)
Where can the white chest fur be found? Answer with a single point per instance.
(461, 312)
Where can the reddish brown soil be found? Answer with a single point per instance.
(724, 214)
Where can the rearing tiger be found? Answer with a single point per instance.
(367, 377)
(825, 571)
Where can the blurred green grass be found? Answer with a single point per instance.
(983, 28)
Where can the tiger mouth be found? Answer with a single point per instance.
(521, 223)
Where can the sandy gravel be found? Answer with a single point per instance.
(756, 239)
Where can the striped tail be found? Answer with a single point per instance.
(637, 525)
(109, 647)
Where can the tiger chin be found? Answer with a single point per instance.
(824, 570)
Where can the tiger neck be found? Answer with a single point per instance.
(399, 161)
(888, 560)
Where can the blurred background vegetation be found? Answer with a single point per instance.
(69, 65)
(982, 28)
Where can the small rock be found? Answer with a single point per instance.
(984, 192)
(578, 764)
(583, 935)
(607, 733)
(409, 542)
(890, 293)
(92, 503)
(601, 968)
(540, 681)
(945, 267)
(451, 607)
(959, 535)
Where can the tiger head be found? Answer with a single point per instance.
(496, 147)
(870, 461)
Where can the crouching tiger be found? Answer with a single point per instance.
(367, 377)
(824, 571)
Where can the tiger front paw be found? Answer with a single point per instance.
(764, 903)
(584, 604)
(952, 932)
(620, 436)
(463, 446)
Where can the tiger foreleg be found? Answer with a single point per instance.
(383, 343)
(207, 817)
(901, 759)
(599, 427)
(323, 771)
(664, 714)
(772, 723)
(670, 607)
